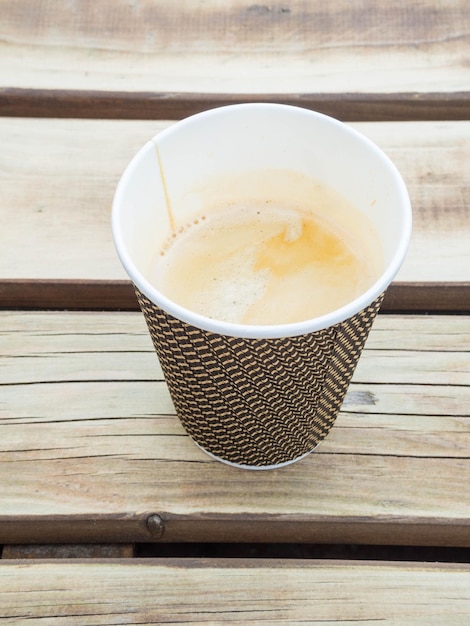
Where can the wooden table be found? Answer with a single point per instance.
(108, 513)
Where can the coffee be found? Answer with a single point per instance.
(287, 250)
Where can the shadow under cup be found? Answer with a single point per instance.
(255, 396)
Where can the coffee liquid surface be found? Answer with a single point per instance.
(270, 261)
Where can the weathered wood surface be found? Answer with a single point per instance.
(125, 105)
(90, 446)
(159, 51)
(67, 551)
(233, 591)
(59, 177)
(92, 457)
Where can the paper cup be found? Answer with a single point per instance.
(255, 396)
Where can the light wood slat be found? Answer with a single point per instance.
(434, 170)
(82, 347)
(405, 420)
(84, 411)
(44, 332)
(97, 362)
(58, 182)
(59, 178)
(236, 591)
(236, 46)
(393, 367)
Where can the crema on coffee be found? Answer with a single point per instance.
(283, 249)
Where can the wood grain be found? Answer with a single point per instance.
(79, 294)
(59, 177)
(350, 107)
(90, 446)
(77, 551)
(297, 46)
(236, 591)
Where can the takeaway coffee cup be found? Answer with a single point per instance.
(255, 395)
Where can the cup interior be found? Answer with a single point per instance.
(167, 183)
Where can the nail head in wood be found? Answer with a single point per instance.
(155, 525)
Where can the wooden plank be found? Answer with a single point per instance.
(112, 294)
(85, 351)
(66, 551)
(222, 591)
(237, 46)
(351, 107)
(59, 178)
(84, 411)
(58, 182)
(429, 297)
(79, 294)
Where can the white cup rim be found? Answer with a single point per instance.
(272, 330)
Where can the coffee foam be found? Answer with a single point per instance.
(282, 259)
